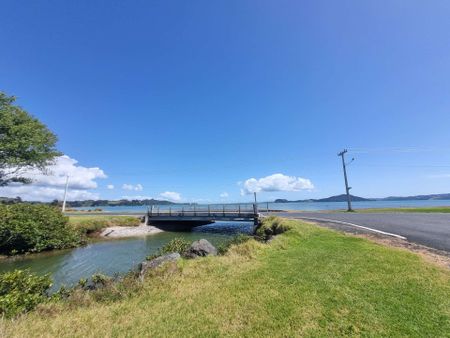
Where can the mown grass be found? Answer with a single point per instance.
(92, 224)
(444, 209)
(308, 281)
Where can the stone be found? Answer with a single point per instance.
(157, 262)
(201, 248)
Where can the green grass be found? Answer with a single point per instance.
(422, 209)
(92, 224)
(308, 281)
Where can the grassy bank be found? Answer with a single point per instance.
(95, 223)
(421, 209)
(309, 281)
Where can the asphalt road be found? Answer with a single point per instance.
(429, 229)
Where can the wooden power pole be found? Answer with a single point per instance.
(347, 188)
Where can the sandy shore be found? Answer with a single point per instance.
(119, 232)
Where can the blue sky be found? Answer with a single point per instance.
(193, 97)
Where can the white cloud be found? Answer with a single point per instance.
(137, 187)
(50, 185)
(224, 195)
(276, 182)
(171, 196)
(110, 186)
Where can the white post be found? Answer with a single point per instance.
(65, 194)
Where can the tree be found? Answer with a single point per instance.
(25, 143)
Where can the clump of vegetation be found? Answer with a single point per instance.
(99, 288)
(21, 291)
(179, 245)
(271, 226)
(91, 224)
(34, 228)
(236, 240)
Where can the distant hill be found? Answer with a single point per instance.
(337, 198)
(343, 198)
(108, 203)
(94, 203)
(418, 197)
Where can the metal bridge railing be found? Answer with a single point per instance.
(212, 210)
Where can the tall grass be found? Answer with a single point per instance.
(93, 224)
(309, 281)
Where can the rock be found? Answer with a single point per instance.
(201, 248)
(157, 262)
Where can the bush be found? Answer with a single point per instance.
(34, 228)
(271, 226)
(175, 245)
(235, 240)
(21, 291)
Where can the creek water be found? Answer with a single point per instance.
(112, 257)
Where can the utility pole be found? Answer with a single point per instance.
(255, 207)
(65, 194)
(347, 188)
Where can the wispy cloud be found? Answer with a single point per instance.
(110, 186)
(439, 176)
(171, 196)
(276, 182)
(224, 195)
(131, 187)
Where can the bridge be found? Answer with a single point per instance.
(191, 216)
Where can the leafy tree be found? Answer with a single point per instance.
(25, 142)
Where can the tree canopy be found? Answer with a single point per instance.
(25, 142)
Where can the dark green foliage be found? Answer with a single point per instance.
(101, 279)
(34, 228)
(21, 291)
(24, 142)
(179, 245)
(271, 226)
(236, 240)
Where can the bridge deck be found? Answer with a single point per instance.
(202, 216)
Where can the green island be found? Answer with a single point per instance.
(308, 281)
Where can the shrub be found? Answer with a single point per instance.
(271, 226)
(179, 245)
(100, 279)
(21, 291)
(235, 240)
(34, 228)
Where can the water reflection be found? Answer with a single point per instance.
(116, 256)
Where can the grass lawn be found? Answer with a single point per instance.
(95, 223)
(309, 281)
(422, 209)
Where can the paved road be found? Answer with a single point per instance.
(429, 229)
